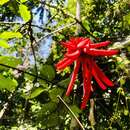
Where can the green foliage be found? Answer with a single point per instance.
(22, 1)
(28, 94)
(2, 2)
(36, 92)
(7, 83)
(4, 44)
(8, 35)
(9, 61)
(48, 72)
(24, 12)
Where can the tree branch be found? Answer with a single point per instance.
(71, 16)
(120, 45)
(57, 30)
(71, 112)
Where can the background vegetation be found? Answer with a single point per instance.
(30, 36)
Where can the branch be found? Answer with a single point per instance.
(5, 106)
(34, 25)
(71, 112)
(10, 67)
(57, 30)
(121, 45)
(78, 16)
(32, 40)
(71, 16)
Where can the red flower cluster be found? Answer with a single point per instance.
(82, 51)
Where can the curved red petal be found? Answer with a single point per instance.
(102, 86)
(83, 43)
(73, 77)
(101, 44)
(86, 82)
(102, 76)
(65, 64)
(95, 52)
(61, 61)
(73, 55)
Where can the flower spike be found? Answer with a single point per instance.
(82, 51)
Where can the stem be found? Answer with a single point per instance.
(78, 17)
(71, 112)
(55, 31)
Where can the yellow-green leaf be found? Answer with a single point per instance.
(24, 12)
(3, 2)
(9, 61)
(4, 44)
(22, 1)
(8, 35)
(36, 92)
(7, 83)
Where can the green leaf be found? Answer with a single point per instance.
(36, 92)
(6, 83)
(47, 71)
(9, 61)
(22, 1)
(48, 108)
(54, 93)
(53, 120)
(70, 6)
(8, 35)
(4, 44)
(127, 18)
(24, 12)
(64, 83)
(86, 24)
(3, 2)
(75, 109)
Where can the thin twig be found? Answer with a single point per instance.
(32, 39)
(7, 66)
(71, 112)
(33, 25)
(121, 45)
(64, 12)
(5, 106)
(57, 30)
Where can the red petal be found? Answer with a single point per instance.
(73, 55)
(61, 62)
(65, 64)
(101, 75)
(102, 86)
(83, 43)
(73, 77)
(86, 83)
(95, 52)
(101, 44)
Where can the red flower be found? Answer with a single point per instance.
(82, 51)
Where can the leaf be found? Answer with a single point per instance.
(75, 109)
(22, 1)
(127, 18)
(86, 24)
(6, 83)
(3, 2)
(53, 120)
(4, 44)
(55, 92)
(36, 92)
(64, 83)
(48, 108)
(9, 61)
(47, 71)
(24, 12)
(70, 6)
(8, 35)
